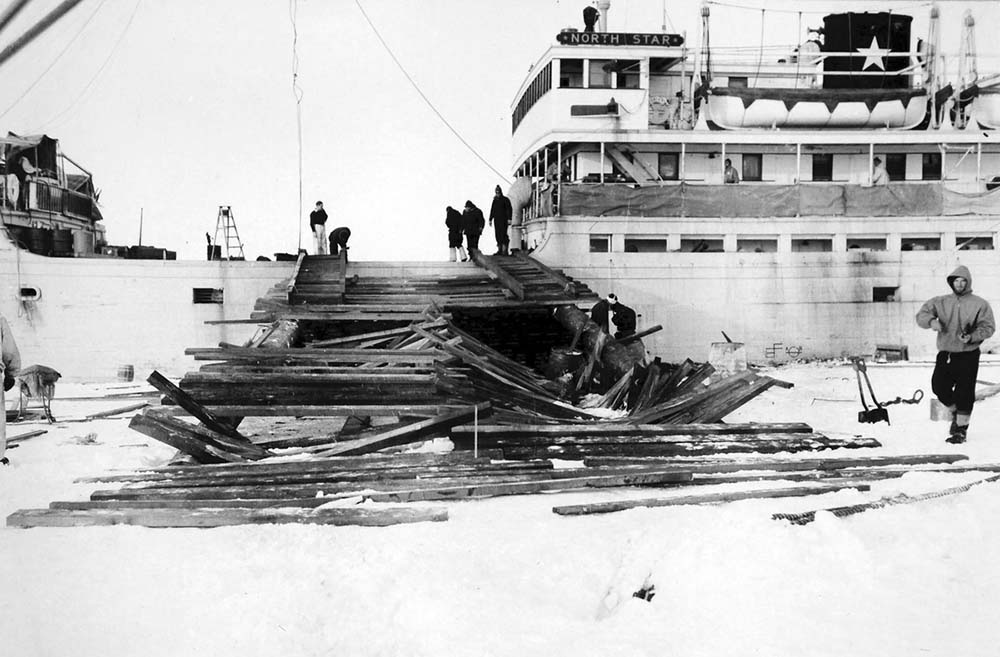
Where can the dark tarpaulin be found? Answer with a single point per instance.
(41, 150)
(683, 200)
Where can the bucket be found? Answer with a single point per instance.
(62, 243)
(728, 358)
(939, 412)
(125, 373)
(83, 242)
(563, 360)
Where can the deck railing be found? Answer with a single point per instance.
(53, 198)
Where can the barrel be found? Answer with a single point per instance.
(563, 360)
(83, 242)
(125, 372)
(62, 243)
(39, 240)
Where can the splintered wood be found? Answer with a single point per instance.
(324, 406)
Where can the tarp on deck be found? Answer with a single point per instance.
(684, 200)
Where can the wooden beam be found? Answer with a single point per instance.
(508, 281)
(313, 410)
(407, 434)
(290, 289)
(188, 403)
(222, 517)
(558, 277)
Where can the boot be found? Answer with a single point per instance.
(461, 252)
(452, 254)
(959, 428)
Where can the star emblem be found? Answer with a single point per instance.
(874, 55)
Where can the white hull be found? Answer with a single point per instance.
(783, 306)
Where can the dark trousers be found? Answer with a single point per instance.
(473, 241)
(500, 232)
(954, 378)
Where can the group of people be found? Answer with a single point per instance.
(338, 237)
(470, 223)
(880, 177)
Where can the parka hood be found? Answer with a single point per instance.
(961, 272)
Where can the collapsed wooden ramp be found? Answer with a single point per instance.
(354, 365)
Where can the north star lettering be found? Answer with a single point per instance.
(619, 39)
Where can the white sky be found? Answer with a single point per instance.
(194, 107)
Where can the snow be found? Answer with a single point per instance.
(506, 576)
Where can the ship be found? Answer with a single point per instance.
(97, 311)
(620, 145)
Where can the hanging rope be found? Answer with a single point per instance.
(424, 97)
(293, 8)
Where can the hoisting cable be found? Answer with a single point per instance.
(293, 7)
(424, 97)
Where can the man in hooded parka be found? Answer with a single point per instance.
(962, 321)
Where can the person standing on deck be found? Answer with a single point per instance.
(473, 223)
(501, 211)
(10, 361)
(730, 175)
(317, 224)
(880, 177)
(453, 220)
(962, 321)
(600, 313)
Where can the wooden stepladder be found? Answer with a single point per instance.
(232, 246)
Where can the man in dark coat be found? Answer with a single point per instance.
(600, 312)
(624, 320)
(338, 240)
(962, 321)
(453, 220)
(473, 223)
(502, 212)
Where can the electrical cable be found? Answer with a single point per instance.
(121, 37)
(62, 52)
(425, 98)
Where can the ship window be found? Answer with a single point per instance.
(30, 294)
(755, 245)
(628, 74)
(668, 166)
(885, 294)
(931, 166)
(752, 166)
(600, 243)
(974, 243)
(812, 244)
(645, 245)
(206, 295)
(600, 73)
(895, 166)
(865, 243)
(696, 244)
(921, 244)
(737, 82)
(822, 165)
(571, 73)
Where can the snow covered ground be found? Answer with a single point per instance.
(509, 577)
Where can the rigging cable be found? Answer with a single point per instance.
(293, 8)
(425, 98)
(62, 52)
(121, 37)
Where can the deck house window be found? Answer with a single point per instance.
(822, 167)
(701, 244)
(813, 244)
(931, 166)
(920, 243)
(645, 245)
(600, 73)
(737, 82)
(667, 166)
(600, 243)
(895, 166)
(571, 73)
(752, 166)
(974, 243)
(628, 74)
(206, 295)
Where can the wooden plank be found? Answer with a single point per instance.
(186, 402)
(221, 517)
(706, 498)
(529, 487)
(308, 355)
(404, 435)
(829, 463)
(389, 408)
(374, 376)
(502, 276)
(182, 439)
(625, 429)
(641, 334)
(290, 288)
(557, 277)
(118, 411)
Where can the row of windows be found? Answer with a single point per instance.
(538, 87)
(601, 243)
(603, 73)
(822, 166)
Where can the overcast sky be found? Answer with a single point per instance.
(179, 106)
